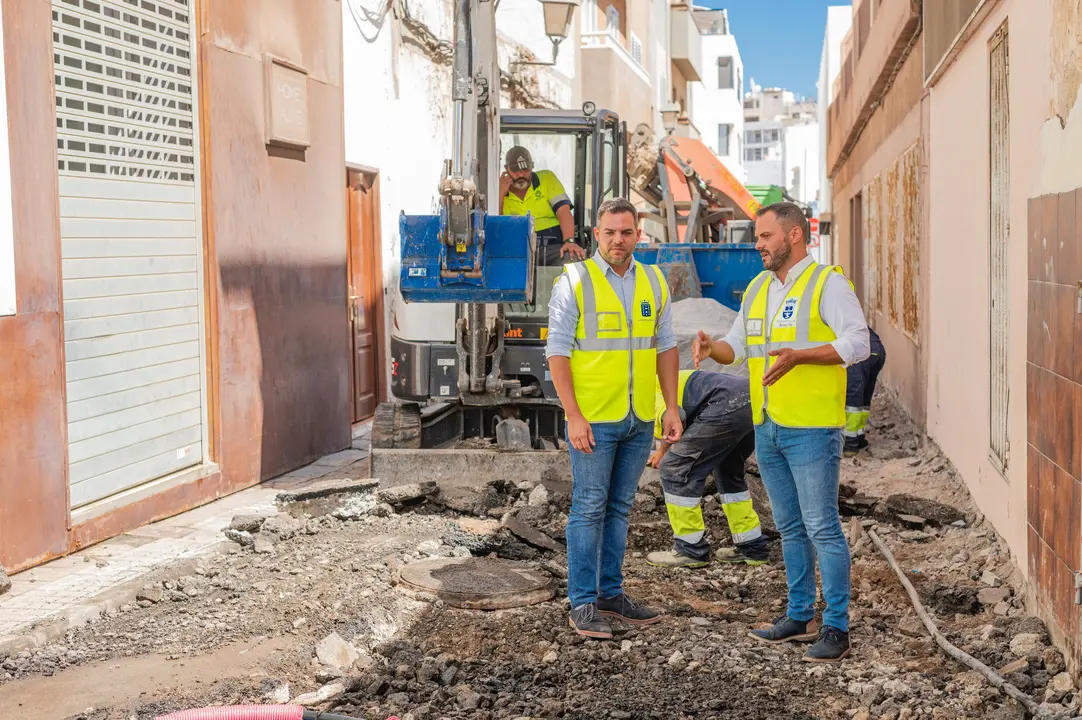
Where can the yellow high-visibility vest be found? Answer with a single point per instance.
(808, 396)
(614, 357)
(545, 196)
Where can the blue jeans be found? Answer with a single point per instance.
(800, 472)
(603, 486)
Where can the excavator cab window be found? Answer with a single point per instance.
(588, 156)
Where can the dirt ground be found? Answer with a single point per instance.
(311, 606)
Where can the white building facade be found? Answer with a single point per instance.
(782, 143)
(839, 22)
(717, 108)
(397, 68)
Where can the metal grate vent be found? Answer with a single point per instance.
(124, 88)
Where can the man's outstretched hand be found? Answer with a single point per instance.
(700, 348)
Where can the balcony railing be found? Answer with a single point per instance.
(611, 40)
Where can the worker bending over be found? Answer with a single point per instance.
(800, 324)
(610, 337)
(718, 438)
(859, 389)
(541, 195)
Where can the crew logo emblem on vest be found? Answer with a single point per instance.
(755, 328)
(644, 308)
(787, 316)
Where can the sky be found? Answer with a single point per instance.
(780, 41)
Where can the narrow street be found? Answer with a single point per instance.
(251, 624)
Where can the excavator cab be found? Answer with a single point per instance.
(587, 151)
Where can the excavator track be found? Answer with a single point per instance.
(397, 425)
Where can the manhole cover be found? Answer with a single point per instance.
(478, 583)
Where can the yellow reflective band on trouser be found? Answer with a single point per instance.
(743, 520)
(685, 517)
(856, 419)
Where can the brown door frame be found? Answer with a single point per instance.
(364, 223)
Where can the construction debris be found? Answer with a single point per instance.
(413, 493)
(932, 512)
(419, 656)
(961, 656)
(5, 582)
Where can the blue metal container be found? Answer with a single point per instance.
(430, 273)
(719, 272)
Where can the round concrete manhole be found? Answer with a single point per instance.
(477, 583)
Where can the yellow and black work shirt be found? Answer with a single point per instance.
(545, 196)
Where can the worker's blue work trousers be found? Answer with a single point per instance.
(800, 469)
(860, 380)
(603, 486)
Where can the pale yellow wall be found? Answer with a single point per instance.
(958, 308)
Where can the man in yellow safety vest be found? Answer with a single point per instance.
(610, 335)
(541, 195)
(800, 324)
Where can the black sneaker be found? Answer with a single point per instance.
(626, 609)
(786, 629)
(853, 445)
(833, 645)
(588, 622)
(737, 555)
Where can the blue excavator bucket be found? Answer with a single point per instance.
(497, 267)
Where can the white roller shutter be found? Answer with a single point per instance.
(130, 241)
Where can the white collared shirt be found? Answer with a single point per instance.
(564, 309)
(838, 306)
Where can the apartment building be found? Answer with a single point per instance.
(956, 197)
(839, 21)
(639, 57)
(717, 102)
(781, 142)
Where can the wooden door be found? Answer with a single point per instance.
(365, 292)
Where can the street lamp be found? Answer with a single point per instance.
(669, 114)
(558, 15)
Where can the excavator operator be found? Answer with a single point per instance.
(540, 193)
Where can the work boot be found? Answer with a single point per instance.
(786, 629)
(833, 645)
(735, 555)
(626, 609)
(588, 622)
(673, 559)
(853, 445)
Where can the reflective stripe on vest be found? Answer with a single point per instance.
(807, 395)
(609, 347)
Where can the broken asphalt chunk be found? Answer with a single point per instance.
(240, 537)
(532, 535)
(992, 596)
(407, 494)
(247, 522)
(913, 522)
(934, 513)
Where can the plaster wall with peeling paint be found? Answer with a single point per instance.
(397, 88)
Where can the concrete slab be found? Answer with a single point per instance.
(468, 467)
